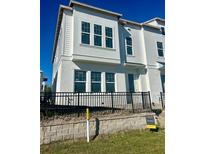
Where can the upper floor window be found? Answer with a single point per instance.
(160, 49)
(110, 82)
(129, 45)
(85, 35)
(80, 81)
(108, 37)
(95, 81)
(163, 30)
(97, 35)
(163, 82)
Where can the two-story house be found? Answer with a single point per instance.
(96, 50)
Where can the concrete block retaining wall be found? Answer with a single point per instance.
(73, 130)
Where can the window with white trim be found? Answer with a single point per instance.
(97, 35)
(95, 81)
(129, 45)
(110, 82)
(160, 49)
(80, 81)
(85, 34)
(108, 37)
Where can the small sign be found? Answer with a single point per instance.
(151, 122)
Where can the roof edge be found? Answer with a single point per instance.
(94, 8)
(138, 24)
(129, 21)
(66, 7)
(153, 19)
(151, 26)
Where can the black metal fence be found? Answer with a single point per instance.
(162, 95)
(99, 103)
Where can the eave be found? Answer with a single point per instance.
(155, 19)
(125, 21)
(137, 65)
(94, 8)
(151, 26)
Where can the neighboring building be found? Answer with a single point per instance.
(96, 50)
(42, 82)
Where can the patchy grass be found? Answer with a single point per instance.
(132, 142)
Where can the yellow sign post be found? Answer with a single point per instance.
(87, 114)
(87, 117)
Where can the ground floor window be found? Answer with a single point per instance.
(95, 81)
(80, 81)
(110, 82)
(131, 82)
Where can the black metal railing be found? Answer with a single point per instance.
(75, 103)
(162, 98)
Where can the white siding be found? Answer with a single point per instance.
(68, 23)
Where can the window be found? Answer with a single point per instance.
(85, 35)
(129, 45)
(160, 49)
(163, 30)
(163, 82)
(131, 82)
(108, 37)
(95, 82)
(80, 81)
(110, 82)
(97, 35)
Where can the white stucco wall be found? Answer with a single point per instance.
(151, 37)
(121, 80)
(155, 84)
(91, 52)
(137, 43)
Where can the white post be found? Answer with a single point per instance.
(88, 117)
(88, 139)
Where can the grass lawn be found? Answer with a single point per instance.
(132, 142)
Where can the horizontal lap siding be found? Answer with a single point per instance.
(68, 22)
